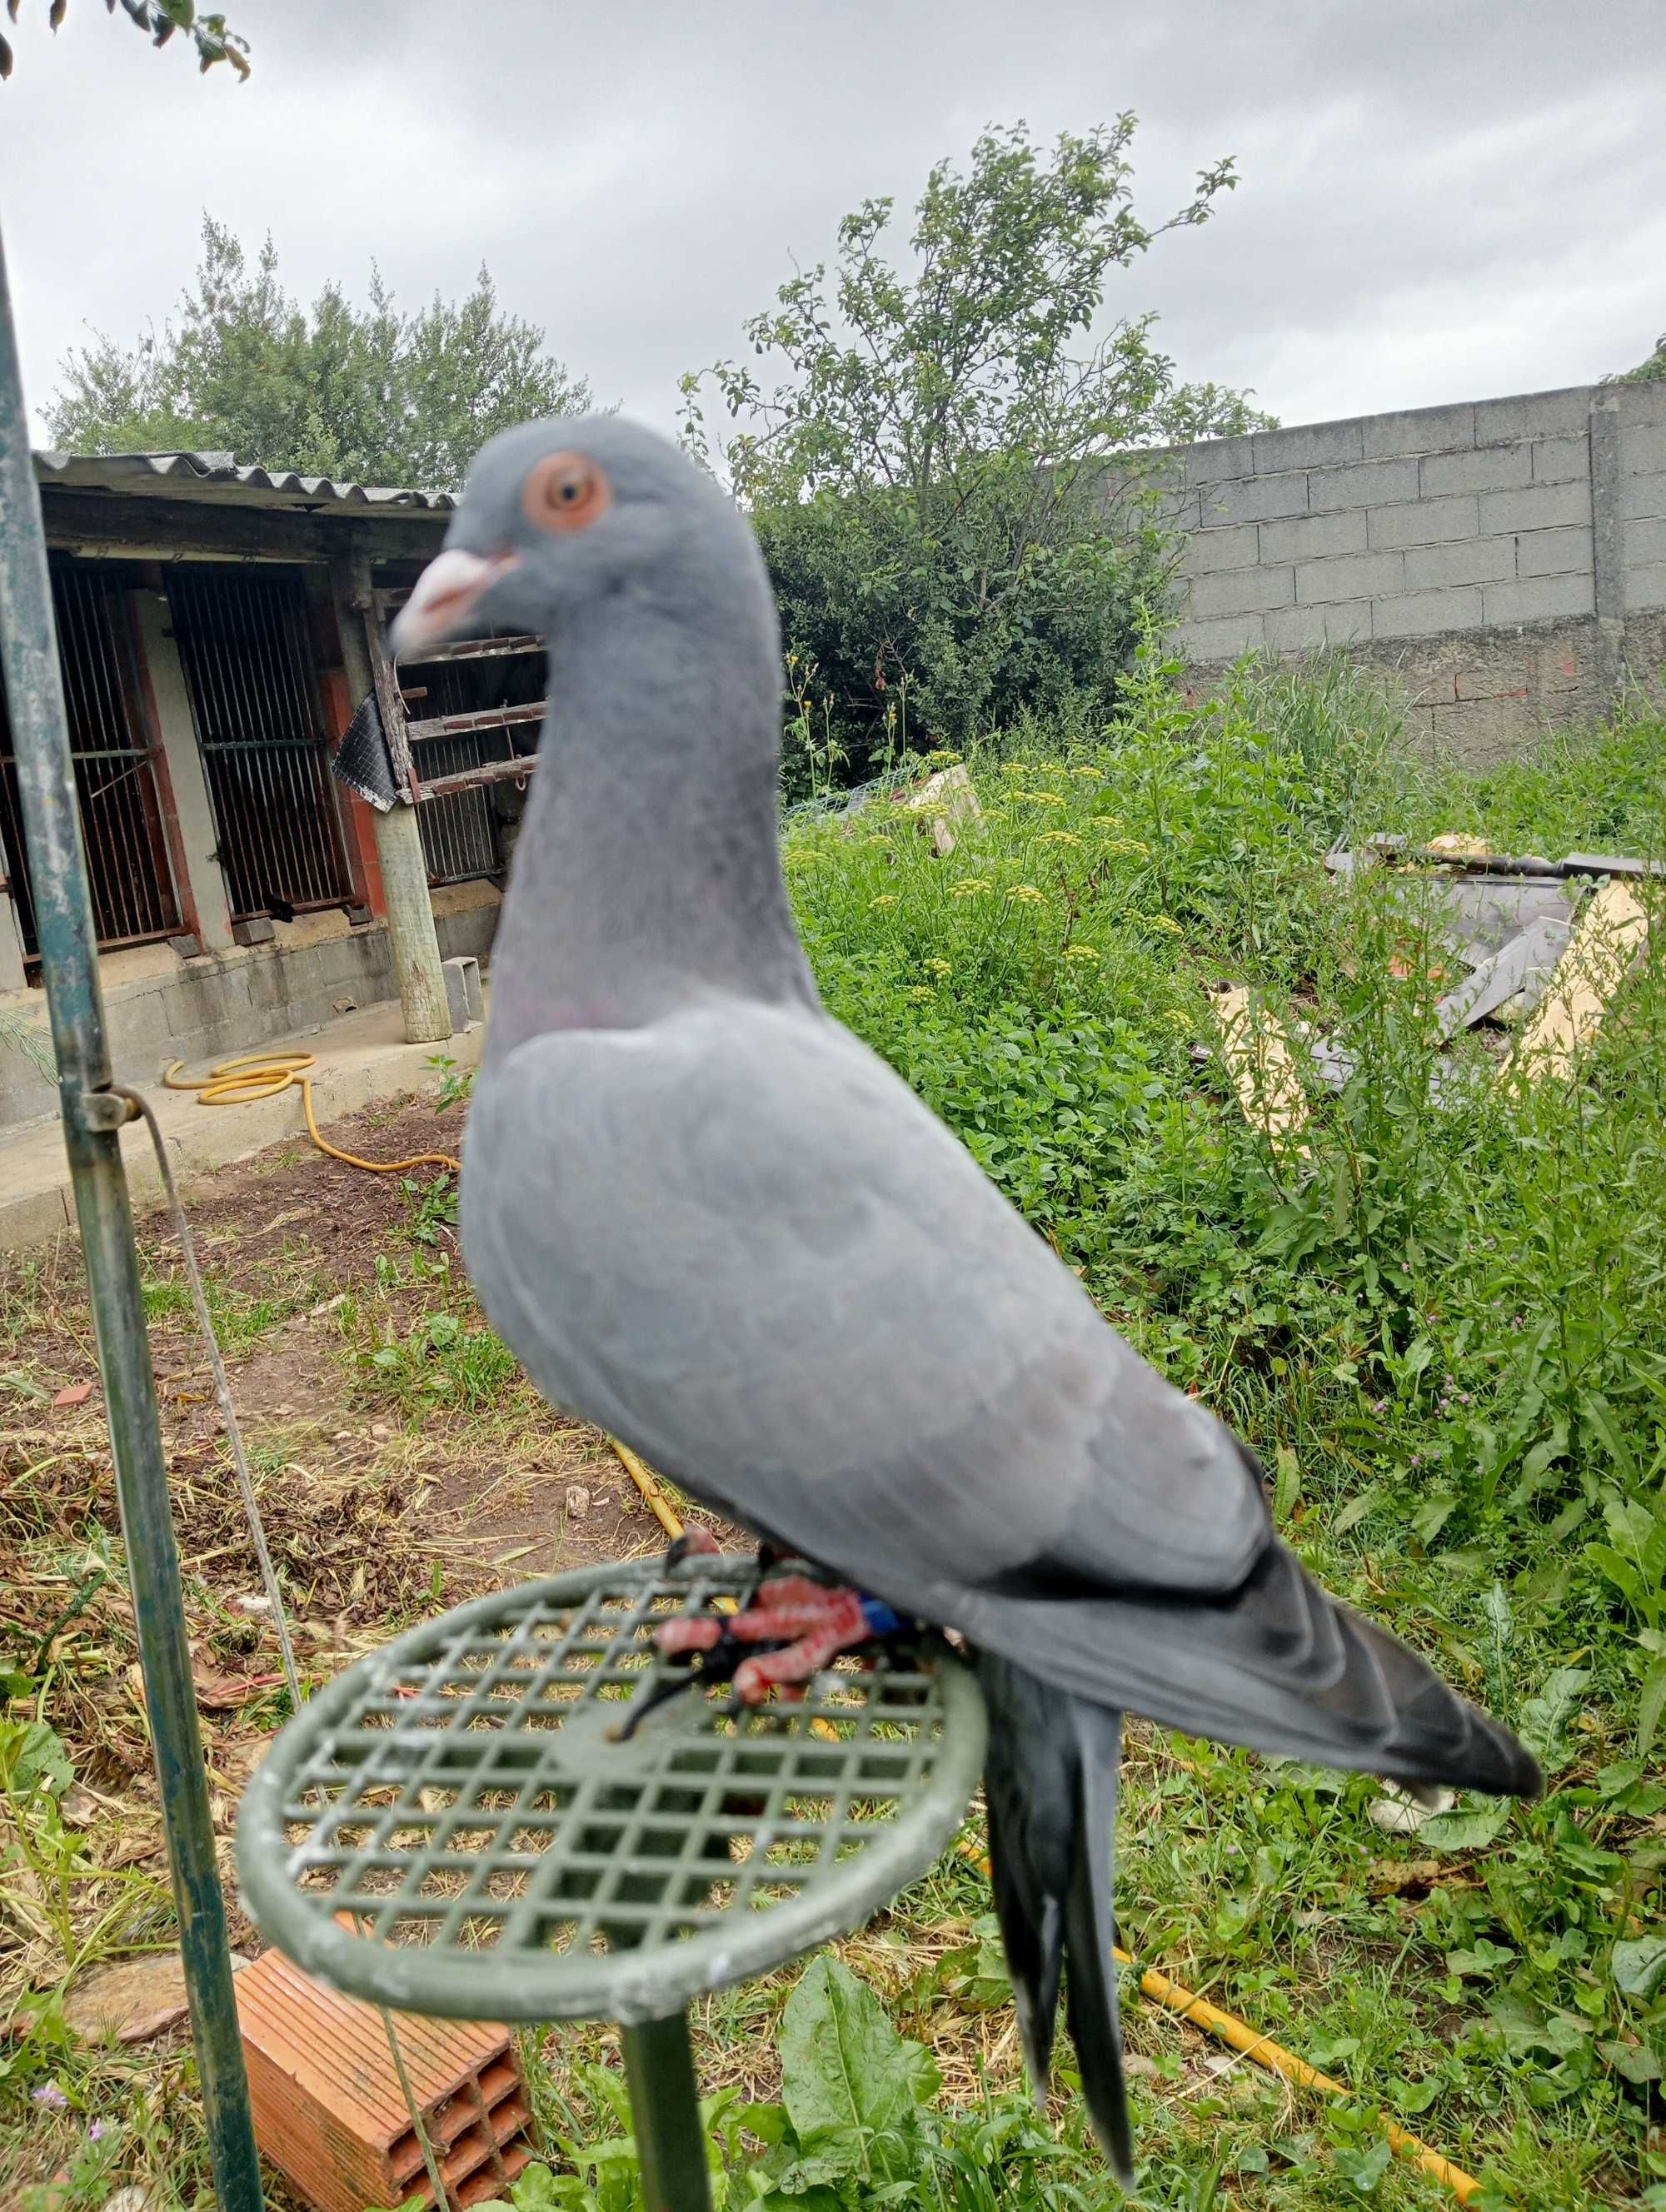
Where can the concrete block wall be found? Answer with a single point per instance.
(1506, 558)
(159, 1008)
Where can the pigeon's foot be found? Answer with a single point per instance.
(807, 1624)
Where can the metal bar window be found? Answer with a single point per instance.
(245, 645)
(134, 900)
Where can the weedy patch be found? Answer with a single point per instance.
(1443, 1327)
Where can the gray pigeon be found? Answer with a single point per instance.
(710, 1221)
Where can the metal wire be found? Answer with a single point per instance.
(463, 832)
(240, 1460)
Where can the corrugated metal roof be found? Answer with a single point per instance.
(218, 477)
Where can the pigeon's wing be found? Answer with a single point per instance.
(737, 1239)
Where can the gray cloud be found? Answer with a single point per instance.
(1436, 201)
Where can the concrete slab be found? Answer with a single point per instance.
(362, 1060)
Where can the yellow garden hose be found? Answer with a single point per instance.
(263, 1075)
(1227, 2028)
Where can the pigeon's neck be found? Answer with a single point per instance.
(647, 874)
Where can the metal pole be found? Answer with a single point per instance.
(664, 2110)
(92, 1121)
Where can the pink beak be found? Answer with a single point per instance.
(443, 598)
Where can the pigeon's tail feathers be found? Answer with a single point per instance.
(1050, 1786)
(1277, 1664)
(1090, 1932)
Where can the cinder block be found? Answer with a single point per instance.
(1256, 499)
(1541, 506)
(1539, 598)
(1562, 460)
(1504, 679)
(1211, 551)
(1532, 415)
(1642, 404)
(136, 1028)
(1423, 613)
(1645, 587)
(1424, 522)
(1554, 552)
(1358, 576)
(1645, 542)
(1483, 732)
(462, 975)
(1345, 624)
(1221, 640)
(1464, 560)
(1241, 591)
(1643, 494)
(1315, 444)
(1296, 630)
(1642, 444)
(1420, 430)
(1312, 537)
(1489, 468)
(1367, 483)
(1219, 458)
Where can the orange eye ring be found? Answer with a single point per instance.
(565, 491)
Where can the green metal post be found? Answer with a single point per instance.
(664, 2110)
(93, 1118)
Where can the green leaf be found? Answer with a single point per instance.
(848, 2079)
(1640, 1966)
(1650, 1706)
(1638, 2062)
(1471, 1831)
(32, 1757)
(1544, 1719)
(1287, 1484)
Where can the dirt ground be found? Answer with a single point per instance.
(389, 1491)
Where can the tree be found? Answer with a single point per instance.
(1652, 371)
(363, 393)
(160, 19)
(929, 474)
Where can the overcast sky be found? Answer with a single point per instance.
(1440, 199)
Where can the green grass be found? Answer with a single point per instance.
(1444, 1331)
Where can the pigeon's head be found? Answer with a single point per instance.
(555, 516)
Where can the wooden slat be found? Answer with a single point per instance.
(470, 779)
(1607, 939)
(1262, 1067)
(462, 725)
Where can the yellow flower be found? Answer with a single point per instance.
(1014, 767)
(969, 887)
(1029, 894)
(1125, 847)
(1058, 837)
(920, 991)
(1159, 922)
(1041, 798)
(939, 968)
(886, 899)
(1081, 952)
(941, 758)
(1178, 1020)
(886, 842)
(1092, 774)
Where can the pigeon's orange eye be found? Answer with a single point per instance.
(565, 491)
